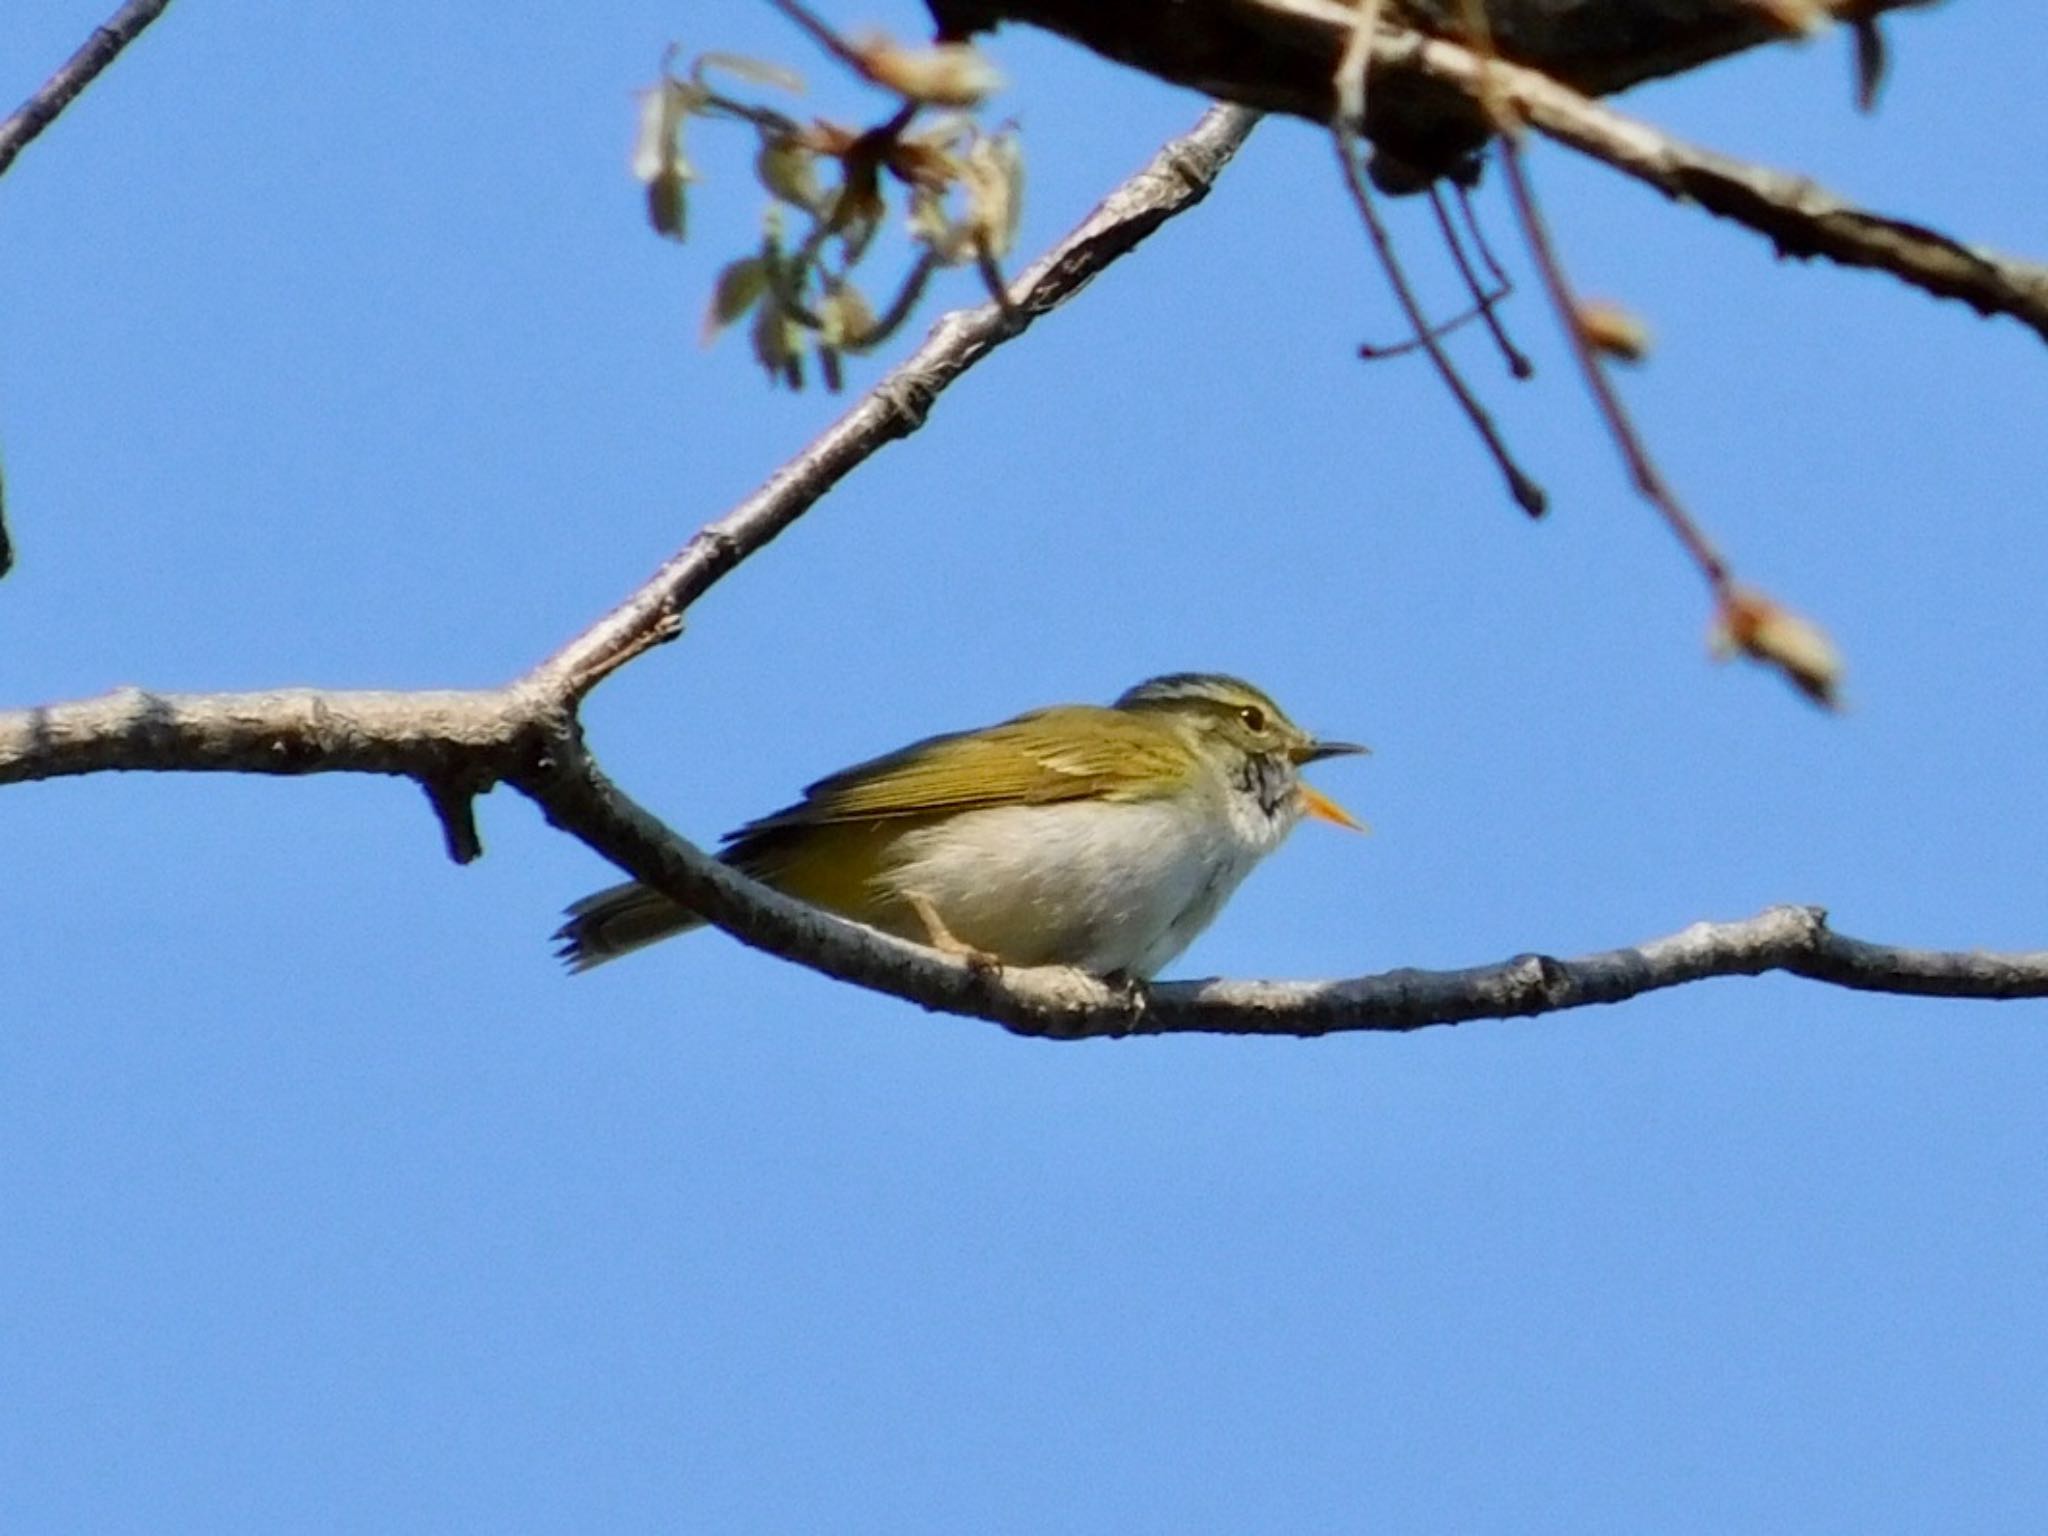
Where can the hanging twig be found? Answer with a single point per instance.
(1642, 468)
(1527, 493)
(1483, 299)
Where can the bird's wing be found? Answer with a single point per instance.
(1067, 753)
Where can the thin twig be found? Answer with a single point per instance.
(1483, 300)
(891, 319)
(1375, 352)
(1798, 217)
(821, 33)
(78, 71)
(1278, 55)
(1643, 470)
(1494, 270)
(992, 279)
(1527, 493)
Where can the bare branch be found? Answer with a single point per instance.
(1799, 217)
(1483, 299)
(472, 736)
(1282, 55)
(1060, 1003)
(1649, 481)
(79, 71)
(1177, 178)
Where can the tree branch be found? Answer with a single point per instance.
(1799, 217)
(458, 744)
(1178, 177)
(1059, 1003)
(424, 735)
(78, 71)
(1283, 55)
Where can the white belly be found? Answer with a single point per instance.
(1100, 885)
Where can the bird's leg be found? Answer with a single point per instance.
(943, 939)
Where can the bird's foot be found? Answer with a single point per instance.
(945, 941)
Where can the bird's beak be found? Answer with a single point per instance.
(1323, 808)
(1313, 801)
(1316, 751)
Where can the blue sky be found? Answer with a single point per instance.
(335, 352)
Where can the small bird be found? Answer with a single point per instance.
(1100, 838)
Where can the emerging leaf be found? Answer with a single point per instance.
(779, 344)
(995, 191)
(944, 75)
(846, 322)
(788, 168)
(658, 158)
(1760, 628)
(1609, 329)
(1799, 18)
(746, 67)
(740, 284)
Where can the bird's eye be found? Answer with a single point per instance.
(1254, 719)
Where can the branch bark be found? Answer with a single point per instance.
(41, 109)
(78, 71)
(1425, 103)
(1283, 54)
(1795, 214)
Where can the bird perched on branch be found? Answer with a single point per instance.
(1101, 838)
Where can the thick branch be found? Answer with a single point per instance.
(1282, 55)
(1799, 217)
(434, 737)
(1177, 178)
(79, 71)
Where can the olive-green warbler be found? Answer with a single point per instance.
(1102, 838)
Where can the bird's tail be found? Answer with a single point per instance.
(616, 921)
